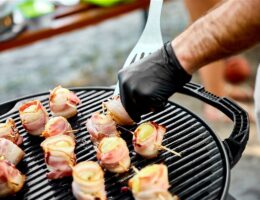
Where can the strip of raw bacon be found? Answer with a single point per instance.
(113, 154)
(10, 151)
(148, 138)
(34, 117)
(151, 183)
(59, 155)
(117, 111)
(63, 102)
(11, 179)
(100, 126)
(57, 126)
(9, 131)
(88, 181)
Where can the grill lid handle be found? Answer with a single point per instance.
(236, 143)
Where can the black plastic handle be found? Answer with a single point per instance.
(7, 106)
(238, 138)
(10, 105)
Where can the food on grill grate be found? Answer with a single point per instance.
(9, 131)
(63, 102)
(147, 139)
(202, 173)
(88, 181)
(99, 126)
(33, 116)
(59, 155)
(11, 179)
(117, 111)
(57, 126)
(113, 154)
(151, 183)
(10, 151)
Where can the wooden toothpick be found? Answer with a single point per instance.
(72, 131)
(124, 167)
(2, 157)
(123, 128)
(161, 197)
(170, 150)
(135, 169)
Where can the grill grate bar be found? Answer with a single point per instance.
(190, 168)
(32, 176)
(209, 187)
(35, 189)
(213, 194)
(197, 181)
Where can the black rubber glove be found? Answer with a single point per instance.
(146, 85)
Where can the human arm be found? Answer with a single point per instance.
(230, 28)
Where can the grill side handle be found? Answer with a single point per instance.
(236, 142)
(6, 107)
(12, 105)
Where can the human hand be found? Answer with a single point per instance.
(146, 85)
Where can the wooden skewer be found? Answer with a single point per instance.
(161, 197)
(121, 164)
(12, 135)
(170, 150)
(123, 128)
(135, 169)
(13, 183)
(73, 131)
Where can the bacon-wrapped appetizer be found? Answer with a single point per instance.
(11, 179)
(113, 154)
(88, 181)
(59, 155)
(63, 102)
(148, 138)
(151, 183)
(34, 117)
(100, 126)
(57, 126)
(9, 131)
(117, 111)
(10, 151)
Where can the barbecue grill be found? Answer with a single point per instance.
(203, 171)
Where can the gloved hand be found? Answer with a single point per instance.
(146, 85)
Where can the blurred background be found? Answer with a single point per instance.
(92, 56)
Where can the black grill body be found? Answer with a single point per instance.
(203, 171)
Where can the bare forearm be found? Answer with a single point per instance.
(232, 27)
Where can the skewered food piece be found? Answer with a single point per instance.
(117, 111)
(63, 102)
(113, 154)
(151, 183)
(148, 138)
(10, 151)
(59, 155)
(88, 181)
(11, 179)
(100, 126)
(9, 131)
(34, 117)
(57, 126)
